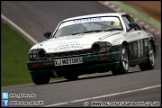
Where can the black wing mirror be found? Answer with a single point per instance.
(132, 25)
(47, 34)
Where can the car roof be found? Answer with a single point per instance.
(94, 15)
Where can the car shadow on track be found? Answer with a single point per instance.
(93, 77)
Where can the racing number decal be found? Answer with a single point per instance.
(135, 49)
(140, 48)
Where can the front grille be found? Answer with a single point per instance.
(69, 54)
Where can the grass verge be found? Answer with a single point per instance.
(14, 50)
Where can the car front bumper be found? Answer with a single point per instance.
(91, 64)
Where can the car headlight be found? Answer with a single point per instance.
(32, 54)
(95, 48)
(37, 54)
(100, 47)
(41, 53)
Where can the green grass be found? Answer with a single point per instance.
(14, 54)
(14, 50)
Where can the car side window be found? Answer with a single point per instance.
(127, 19)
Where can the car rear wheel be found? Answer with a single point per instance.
(71, 76)
(150, 64)
(41, 79)
(124, 62)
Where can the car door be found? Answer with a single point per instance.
(135, 39)
(142, 42)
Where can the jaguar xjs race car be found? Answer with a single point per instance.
(92, 43)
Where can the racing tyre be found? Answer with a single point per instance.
(71, 77)
(41, 79)
(150, 64)
(124, 62)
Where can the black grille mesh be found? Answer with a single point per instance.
(70, 53)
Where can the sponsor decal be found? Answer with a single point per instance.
(66, 46)
(87, 20)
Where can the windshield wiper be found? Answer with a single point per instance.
(93, 31)
(87, 32)
(97, 31)
(113, 29)
(77, 33)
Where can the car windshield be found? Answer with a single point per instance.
(88, 25)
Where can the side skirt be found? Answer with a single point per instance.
(138, 61)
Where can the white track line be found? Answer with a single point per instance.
(19, 29)
(103, 96)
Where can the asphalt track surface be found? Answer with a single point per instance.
(36, 17)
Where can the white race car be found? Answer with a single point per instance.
(92, 43)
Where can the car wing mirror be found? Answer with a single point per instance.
(131, 25)
(47, 34)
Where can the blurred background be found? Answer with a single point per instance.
(152, 8)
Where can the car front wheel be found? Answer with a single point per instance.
(124, 62)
